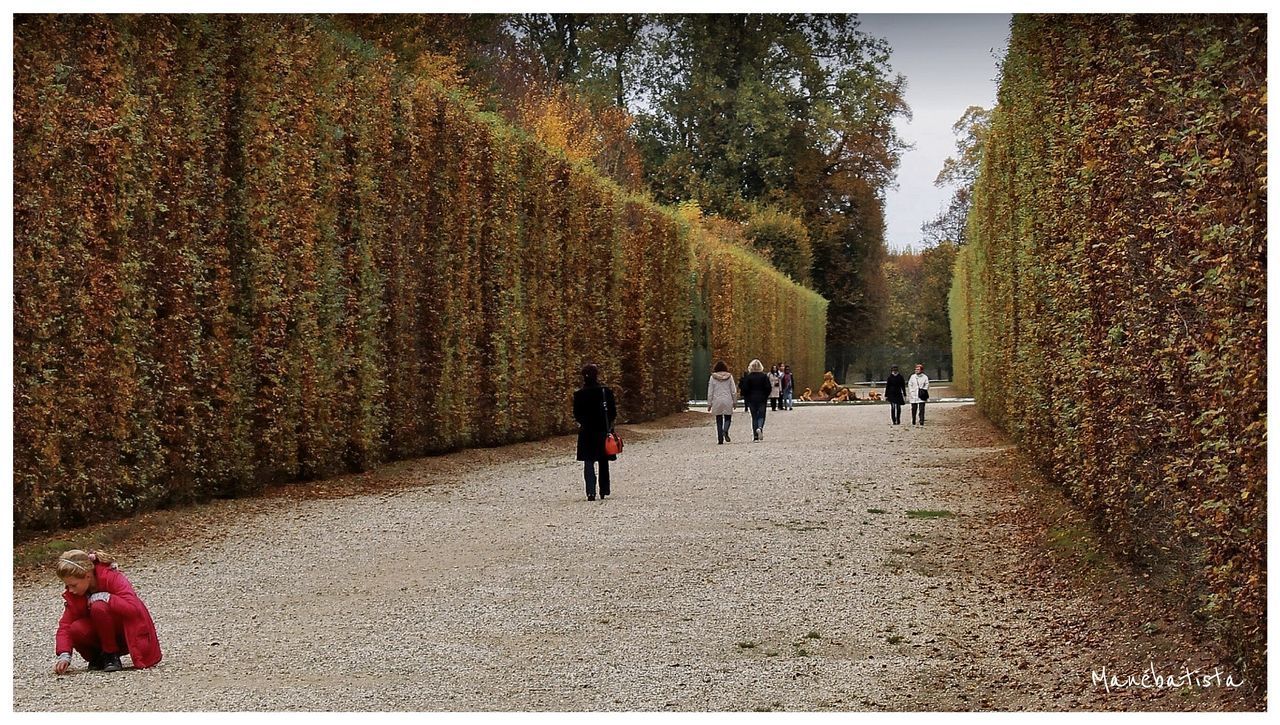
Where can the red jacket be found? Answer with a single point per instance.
(139, 630)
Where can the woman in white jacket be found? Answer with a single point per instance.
(917, 382)
(722, 394)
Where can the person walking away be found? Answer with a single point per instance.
(918, 382)
(102, 616)
(755, 391)
(775, 387)
(595, 409)
(788, 388)
(722, 396)
(895, 391)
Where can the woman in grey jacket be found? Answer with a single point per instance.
(722, 394)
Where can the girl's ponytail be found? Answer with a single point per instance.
(78, 564)
(102, 557)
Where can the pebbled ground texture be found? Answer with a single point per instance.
(839, 564)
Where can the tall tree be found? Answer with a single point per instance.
(766, 108)
(795, 111)
(959, 171)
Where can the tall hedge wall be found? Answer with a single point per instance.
(755, 311)
(960, 315)
(1113, 297)
(252, 249)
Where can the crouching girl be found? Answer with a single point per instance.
(103, 618)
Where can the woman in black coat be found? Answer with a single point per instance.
(595, 410)
(895, 391)
(756, 389)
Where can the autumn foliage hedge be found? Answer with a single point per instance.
(1110, 311)
(754, 311)
(253, 249)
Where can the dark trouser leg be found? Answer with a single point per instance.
(922, 413)
(757, 416)
(895, 413)
(722, 427)
(589, 473)
(914, 408)
(604, 477)
(773, 403)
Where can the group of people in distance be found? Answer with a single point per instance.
(899, 391)
(757, 389)
(595, 408)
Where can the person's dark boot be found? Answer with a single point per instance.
(111, 663)
(97, 662)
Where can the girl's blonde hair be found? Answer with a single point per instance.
(77, 564)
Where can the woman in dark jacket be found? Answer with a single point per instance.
(895, 391)
(755, 392)
(595, 410)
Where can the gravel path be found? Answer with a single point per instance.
(780, 575)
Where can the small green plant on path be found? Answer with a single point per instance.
(929, 514)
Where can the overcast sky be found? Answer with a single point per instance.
(951, 62)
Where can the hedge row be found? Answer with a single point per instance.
(1110, 311)
(755, 312)
(252, 249)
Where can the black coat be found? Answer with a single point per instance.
(895, 389)
(589, 403)
(756, 388)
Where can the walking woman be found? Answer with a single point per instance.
(755, 393)
(918, 393)
(722, 394)
(895, 391)
(595, 410)
(788, 388)
(775, 391)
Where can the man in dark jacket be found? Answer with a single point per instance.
(895, 391)
(756, 388)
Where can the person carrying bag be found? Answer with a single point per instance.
(595, 409)
(917, 394)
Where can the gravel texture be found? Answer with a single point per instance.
(780, 575)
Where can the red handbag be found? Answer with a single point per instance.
(612, 444)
